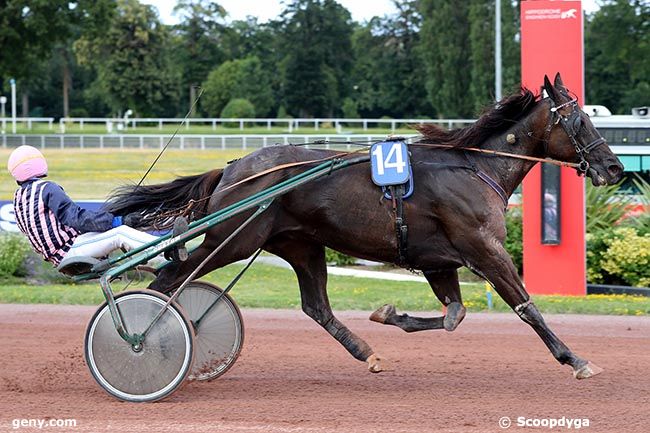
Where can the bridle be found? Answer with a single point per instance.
(571, 125)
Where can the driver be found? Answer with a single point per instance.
(57, 227)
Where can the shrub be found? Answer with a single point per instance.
(605, 206)
(78, 112)
(339, 259)
(514, 240)
(618, 255)
(628, 256)
(13, 250)
(349, 109)
(238, 108)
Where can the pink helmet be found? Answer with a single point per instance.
(26, 162)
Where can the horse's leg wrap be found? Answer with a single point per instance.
(357, 347)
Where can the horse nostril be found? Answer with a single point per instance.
(615, 171)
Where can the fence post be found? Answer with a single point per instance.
(214, 125)
(42, 142)
(243, 141)
(268, 124)
(160, 124)
(241, 125)
(182, 137)
(223, 142)
(81, 141)
(29, 124)
(101, 141)
(61, 140)
(203, 142)
(161, 142)
(81, 125)
(49, 124)
(187, 124)
(121, 142)
(141, 142)
(264, 141)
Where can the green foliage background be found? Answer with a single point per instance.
(430, 58)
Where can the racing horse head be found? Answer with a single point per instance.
(570, 136)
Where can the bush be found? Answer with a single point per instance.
(618, 255)
(514, 240)
(237, 108)
(628, 256)
(240, 78)
(13, 250)
(78, 112)
(349, 108)
(339, 259)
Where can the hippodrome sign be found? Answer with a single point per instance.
(552, 41)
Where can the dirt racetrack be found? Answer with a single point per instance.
(292, 377)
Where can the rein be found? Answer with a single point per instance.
(499, 153)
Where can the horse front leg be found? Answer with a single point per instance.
(444, 284)
(489, 259)
(308, 261)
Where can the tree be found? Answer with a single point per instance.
(36, 33)
(199, 41)
(445, 51)
(241, 78)
(136, 71)
(481, 45)
(457, 46)
(316, 40)
(617, 55)
(388, 74)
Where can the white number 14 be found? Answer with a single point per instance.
(395, 153)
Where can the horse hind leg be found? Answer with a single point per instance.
(308, 261)
(447, 289)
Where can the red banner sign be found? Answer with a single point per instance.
(551, 42)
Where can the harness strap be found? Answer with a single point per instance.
(401, 229)
(494, 185)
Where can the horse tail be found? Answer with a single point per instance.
(163, 197)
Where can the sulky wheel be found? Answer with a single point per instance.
(219, 334)
(155, 369)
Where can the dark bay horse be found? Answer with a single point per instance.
(455, 217)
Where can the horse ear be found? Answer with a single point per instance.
(558, 81)
(550, 91)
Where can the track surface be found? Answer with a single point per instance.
(292, 377)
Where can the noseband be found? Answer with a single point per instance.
(571, 125)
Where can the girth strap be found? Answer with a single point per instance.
(401, 229)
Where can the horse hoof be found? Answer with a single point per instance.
(375, 363)
(455, 315)
(586, 371)
(382, 314)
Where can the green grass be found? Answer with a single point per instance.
(94, 173)
(271, 287)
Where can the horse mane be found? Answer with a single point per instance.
(494, 119)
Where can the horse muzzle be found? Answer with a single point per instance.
(610, 176)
